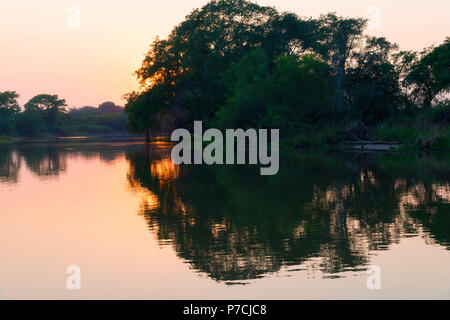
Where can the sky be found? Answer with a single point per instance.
(45, 48)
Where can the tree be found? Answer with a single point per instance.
(190, 61)
(31, 123)
(249, 87)
(9, 108)
(342, 37)
(142, 108)
(51, 105)
(109, 107)
(293, 35)
(441, 66)
(304, 85)
(296, 89)
(233, 63)
(9, 103)
(373, 84)
(189, 64)
(427, 72)
(82, 112)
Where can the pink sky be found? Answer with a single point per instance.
(95, 63)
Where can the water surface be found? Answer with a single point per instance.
(141, 227)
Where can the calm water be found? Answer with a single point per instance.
(141, 227)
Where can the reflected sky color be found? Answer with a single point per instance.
(96, 63)
(141, 227)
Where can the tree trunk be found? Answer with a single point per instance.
(339, 82)
(147, 135)
(427, 101)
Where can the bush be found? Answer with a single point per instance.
(6, 139)
(6, 125)
(407, 135)
(31, 124)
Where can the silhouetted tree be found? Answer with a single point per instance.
(109, 107)
(373, 84)
(185, 70)
(9, 108)
(51, 105)
(342, 37)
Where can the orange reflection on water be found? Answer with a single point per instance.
(152, 177)
(164, 169)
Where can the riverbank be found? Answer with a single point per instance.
(122, 137)
(7, 139)
(424, 129)
(394, 134)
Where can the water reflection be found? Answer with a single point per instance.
(330, 212)
(45, 162)
(50, 161)
(233, 224)
(9, 165)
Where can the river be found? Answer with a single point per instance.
(140, 227)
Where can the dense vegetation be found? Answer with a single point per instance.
(234, 64)
(45, 115)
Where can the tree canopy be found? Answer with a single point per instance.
(427, 72)
(8, 103)
(45, 115)
(51, 105)
(187, 70)
(234, 63)
(9, 108)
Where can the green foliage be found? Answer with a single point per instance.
(8, 103)
(406, 135)
(236, 64)
(143, 108)
(440, 61)
(50, 105)
(186, 68)
(6, 125)
(293, 91)
(7, 139)
(427, 129)
(44, 115)
(94, 123)
(9, 108)
(304, 86)
(427, 73)
(233, 63)
(31, 123)
(250, 90)
(191, 65)
(341, 38)
(373, 84)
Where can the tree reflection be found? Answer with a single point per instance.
(233, 224)
(50, 160)
(45, 161)
(9, 165)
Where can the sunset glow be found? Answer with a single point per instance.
(96, 63)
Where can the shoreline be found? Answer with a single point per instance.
(360, 145)
(8, 140)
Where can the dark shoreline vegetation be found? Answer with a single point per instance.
(235, 64)
(44, 117)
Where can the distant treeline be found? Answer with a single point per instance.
(45, 115)
(236, 64)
